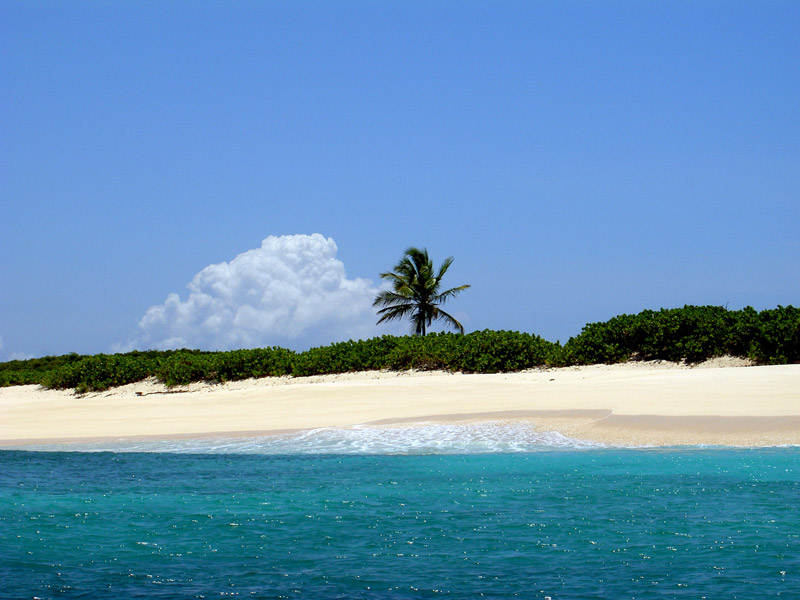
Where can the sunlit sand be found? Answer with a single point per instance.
(629, 404)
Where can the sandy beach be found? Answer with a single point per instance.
(720, 402)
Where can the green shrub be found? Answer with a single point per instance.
(187, 366)
(501, 351)
(422, 353)
(98, 372)
(259, 362)
(774, 337)
(691, 333)
(344, 357)
(33, 370)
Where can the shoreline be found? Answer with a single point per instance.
(630, 404)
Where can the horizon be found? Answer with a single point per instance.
(223, 175)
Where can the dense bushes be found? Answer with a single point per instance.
(477, 352)
(186, 366)
(25, 372)
(343, 357)
(482, 351)
(691, 333)
(98, 372)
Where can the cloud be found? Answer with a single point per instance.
(291, 292)
(13, 355)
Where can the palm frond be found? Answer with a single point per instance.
(442, 315)
(415, 284)
(393, 313)
(446, 295)
(445, 265)
(388, 298)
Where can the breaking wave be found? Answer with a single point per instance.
(419, 438)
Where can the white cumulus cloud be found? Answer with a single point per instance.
(291, 292)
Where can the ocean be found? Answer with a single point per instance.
(459, 511)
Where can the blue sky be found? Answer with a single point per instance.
(578, 159)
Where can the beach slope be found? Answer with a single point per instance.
(628, 404)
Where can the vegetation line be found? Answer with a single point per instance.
(691, 333)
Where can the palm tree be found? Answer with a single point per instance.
(416, 292)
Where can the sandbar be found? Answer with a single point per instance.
(631, 404)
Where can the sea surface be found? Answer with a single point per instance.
(455, 511)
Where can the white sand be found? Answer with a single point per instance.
(633, 403)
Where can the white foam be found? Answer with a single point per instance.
(420, 438)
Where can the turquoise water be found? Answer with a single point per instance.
(547, 522)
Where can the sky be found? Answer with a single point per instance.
(237, 174)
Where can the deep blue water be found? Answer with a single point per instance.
(564, 524)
